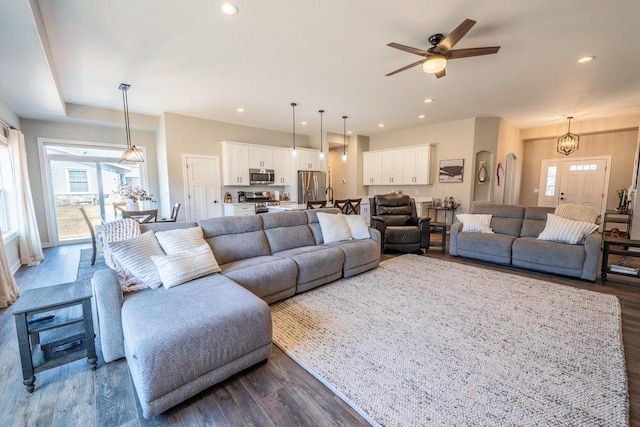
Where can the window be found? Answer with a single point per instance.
(7, 193)
(550, 188)
(78, 181)
(590, 167)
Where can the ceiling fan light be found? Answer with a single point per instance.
(434, 63)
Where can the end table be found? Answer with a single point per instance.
(47, 309)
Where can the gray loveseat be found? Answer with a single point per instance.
(515, 242)
(182, 340)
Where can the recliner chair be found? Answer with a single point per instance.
(394, 215)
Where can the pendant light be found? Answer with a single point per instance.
(569, 142)
(131, 155)
(321, 151)
(293, 151)
(344, 139)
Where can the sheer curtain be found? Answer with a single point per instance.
(8, 289)
(28, 235)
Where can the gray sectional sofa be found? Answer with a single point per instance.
(515, 242)
(182, 340)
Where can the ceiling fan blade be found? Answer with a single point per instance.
(441, 73)
(476, 51)
(405, 68)
(408, 49)
(454, 37)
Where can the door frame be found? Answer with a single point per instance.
(185, 181)
(559, 161)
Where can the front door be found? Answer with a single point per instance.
(202, 186)
(578, 181)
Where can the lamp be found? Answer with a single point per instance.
(434, 63)
(293, 107)
(569, 142)
(344, 139)
(131, 155)
(321, 151)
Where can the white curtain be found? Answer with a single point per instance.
(8, 289)
(28, 235)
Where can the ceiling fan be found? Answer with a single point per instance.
(436, 57)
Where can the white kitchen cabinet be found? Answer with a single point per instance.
(239, 209)
(235, 163)
(282, 166)
(417, 165)
(372, 168)
(261, 157)
(392, 165)
(308, 160)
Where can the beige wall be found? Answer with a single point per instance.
(33, 129)
(351, 171)
(509, 142)
(453, 140)
(621, 145)
(191, 135)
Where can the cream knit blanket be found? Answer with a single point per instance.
(579, 213)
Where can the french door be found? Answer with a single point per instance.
(78, 174)
(578, 181)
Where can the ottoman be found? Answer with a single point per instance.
(182, 340)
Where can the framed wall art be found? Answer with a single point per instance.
(451, 170)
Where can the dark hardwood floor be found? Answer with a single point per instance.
(278, 393)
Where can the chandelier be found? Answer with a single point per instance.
(569, 142)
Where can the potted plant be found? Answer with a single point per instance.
(133, 195)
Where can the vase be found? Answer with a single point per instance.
(132, 205)
(482, 174)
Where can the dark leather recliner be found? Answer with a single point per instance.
(394, 215)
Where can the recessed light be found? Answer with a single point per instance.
(303, 123)
(349, 132)
(229, 9)
(586, 59)
(381, 125)
(240, 110)
(421, 116)
(428, 100)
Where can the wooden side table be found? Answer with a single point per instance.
(622, 245)
(48, 309)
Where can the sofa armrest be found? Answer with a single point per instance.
(592, 256)
(425, 232)
(108, 298)
(453, 238)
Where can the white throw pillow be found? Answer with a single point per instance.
(134, 256)
(357, 226)
(559, 229)
(475, 223)
(179, 268)
(334, 227)
(180, 240)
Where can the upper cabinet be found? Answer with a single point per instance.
(282, 166)
(235, 163)
(308, 160)
(402, 166)
(261, 157)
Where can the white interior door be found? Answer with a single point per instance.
(577, 181)
(202, 186)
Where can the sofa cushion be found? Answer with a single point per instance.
(317, 265)
(506, 219)
(235, 238)
(535, 218)
(219, 322)
(134, 258)
(475, 223)
(359, 255)
(286, 230)
(559, 229)
(357, 226)
(402, 235)
(180, 239)
(269, 277)
(176, 269)
(334, 227)
(529, 251)
(312, 221)
(488, 247)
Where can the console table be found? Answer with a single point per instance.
(438, 209)
(621, 248)
(54, 309)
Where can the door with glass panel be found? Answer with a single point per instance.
(83, 176)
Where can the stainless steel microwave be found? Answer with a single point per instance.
(261, 176)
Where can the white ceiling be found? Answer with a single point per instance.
(186, 57)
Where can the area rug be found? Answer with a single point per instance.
(420, 341)
(85, 269)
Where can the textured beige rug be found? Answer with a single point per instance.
(420, 341)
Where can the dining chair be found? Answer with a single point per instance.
(341, 204)
(143, 217)
(119, 207)
(174, 214)
(353, 207)
(316, 204)
(93, 234)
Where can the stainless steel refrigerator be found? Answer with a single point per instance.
(312, 185)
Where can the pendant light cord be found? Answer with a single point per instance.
(344, 136)
(293, 106)
(125, 101)
(321, 111)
